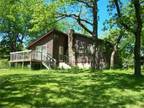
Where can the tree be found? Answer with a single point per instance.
(83, 19)
(115, 36)
(124, 49)
(135, 28)
(24, 20)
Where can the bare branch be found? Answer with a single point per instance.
(84, 27)
(79, 20)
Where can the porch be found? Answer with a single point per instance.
(25, 56)
(36, 57)
(32, 56)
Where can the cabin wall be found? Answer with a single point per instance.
(60, 47)
(78, 49)
(84, 52)
(45, 45)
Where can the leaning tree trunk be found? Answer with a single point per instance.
(112, 59)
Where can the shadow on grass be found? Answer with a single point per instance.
(77, 90)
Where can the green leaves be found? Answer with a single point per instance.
(25, 20)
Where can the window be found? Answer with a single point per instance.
(61, 50)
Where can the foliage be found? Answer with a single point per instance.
(70, 89)
(130, 19)
(4, 64)
(125, 47)
(81, 13)
(24, 20)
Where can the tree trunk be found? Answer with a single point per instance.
(137, 64)
(13, 43)
(137, 33)
(95, 34)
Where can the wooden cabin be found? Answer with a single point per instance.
(63, 50)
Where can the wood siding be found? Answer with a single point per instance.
(60, 46)
(84, 51)
(45, 44)
(57, 44)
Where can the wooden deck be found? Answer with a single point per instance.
(32, 56)
(26, 56)
(35, 57)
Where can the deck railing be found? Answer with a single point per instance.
(29, 55)
(20, 56)
(32, 55)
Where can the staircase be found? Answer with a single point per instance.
(48, 61)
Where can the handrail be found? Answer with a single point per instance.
(20, 56)
(46, 58)
(26, 51)
(44, 54)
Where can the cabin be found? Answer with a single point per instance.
(63, 50)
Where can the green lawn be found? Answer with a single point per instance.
(70, 89)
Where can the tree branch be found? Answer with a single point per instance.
(78, 19)
(120, 16)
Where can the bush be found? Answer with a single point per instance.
(4, 64)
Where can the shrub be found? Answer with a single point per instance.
(4, 64)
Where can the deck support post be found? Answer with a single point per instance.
(22, 64)
(30, 60)
(10, 64)
(16, 65)
(30, 64)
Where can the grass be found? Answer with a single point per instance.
(70, 89)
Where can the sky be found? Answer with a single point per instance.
(102, 13)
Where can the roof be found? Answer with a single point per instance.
(91, 38)
(44, 36)
(59, 32)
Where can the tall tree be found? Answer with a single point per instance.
(135, 28)
(22, 20)
(85, 20)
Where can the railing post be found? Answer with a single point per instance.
(23, 60)
(41, 56)
(30, 55)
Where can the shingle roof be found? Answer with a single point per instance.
(60, 32)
